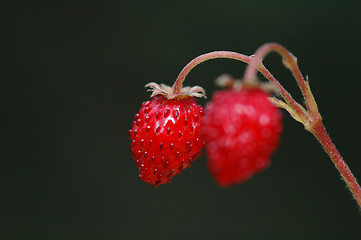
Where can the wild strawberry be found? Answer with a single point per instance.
(241, 129)
(166, 134)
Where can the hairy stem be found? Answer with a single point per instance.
(290, 62)
(312, 118)
(240, 57)
(321, 135)
(205, 57)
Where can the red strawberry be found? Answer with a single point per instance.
(241, 130)
(166, 135)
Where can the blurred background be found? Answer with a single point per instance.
(73, 76)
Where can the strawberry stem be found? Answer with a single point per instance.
(311, 117)
(321, 135)
(177, 86)
(290, 62)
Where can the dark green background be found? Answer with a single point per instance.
(73, 76)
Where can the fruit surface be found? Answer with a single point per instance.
(241, 129)
(166, 137)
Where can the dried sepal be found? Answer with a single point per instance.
(225, 80)
(168, 92)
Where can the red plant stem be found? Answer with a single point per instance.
(202, 58)
(321, 135)
(229, 55)
(312, 118)
(236, 56)
(291, 62)
(270, 47)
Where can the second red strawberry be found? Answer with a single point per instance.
(241, 130)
